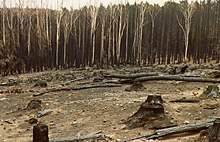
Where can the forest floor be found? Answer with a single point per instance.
(81, 112)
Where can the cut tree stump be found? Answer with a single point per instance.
(214, 131)
(34, 104)
(150, 114)
(40, 133)
(211, 91)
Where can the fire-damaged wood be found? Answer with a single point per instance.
(88, 137)
(171, 77)
(211, 91)
(192, 127)
(186, 100)
(40, 133)
(214, 131)
(150, 111)
(131, 76)
(34, 104)
(80, 87)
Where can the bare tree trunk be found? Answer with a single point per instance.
(153, 13)
(94, 12)
(110, 38)
(187, 10)
(143, 9)
(58, 22)
(29, 35)
(121, 27)
(11, 28)
(68, 22)
(102, 39)
(3, 23)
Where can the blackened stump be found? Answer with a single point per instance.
(34, 104)
(40, 133)
(214, 131)
(211, 91)
(149, 112)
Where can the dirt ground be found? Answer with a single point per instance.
(86, 111)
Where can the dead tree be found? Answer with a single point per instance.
(94, 12)
(120, 31)
(103, 21)
(3, 22)
(58, 23)
(153, 12)
(68, 21)
(187, 9)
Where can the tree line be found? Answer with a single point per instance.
(36, 39)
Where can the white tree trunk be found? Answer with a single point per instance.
(187, 10)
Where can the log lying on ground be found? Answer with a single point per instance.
(78, 138)
(9, 84)
(131, 76)
(99, 85)
(185, 100)
(178, 129)
(171, 77)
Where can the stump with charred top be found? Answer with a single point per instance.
(40, 133)
(34, 104)
(211, 91)
(150, 114)
(214, 131)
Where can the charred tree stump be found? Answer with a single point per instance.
(149, 112)
(211, 91)
(40, 133)
(34, 104)
(214, 131)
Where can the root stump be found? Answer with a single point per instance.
(150, 114)
(211, 91)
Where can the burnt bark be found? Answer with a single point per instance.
(178, 129)
(171, 77)
(150, 110)
(40, 133)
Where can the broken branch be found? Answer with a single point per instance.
(78, 88)
(178, 129)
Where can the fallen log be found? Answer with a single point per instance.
(79, 88)
(9, 84)
(171, 77)
(185, 100)
(78, 138)
(131, 76)
(178, 129)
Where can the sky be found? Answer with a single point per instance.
(75, 3)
